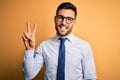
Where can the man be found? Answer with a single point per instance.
(65, 56)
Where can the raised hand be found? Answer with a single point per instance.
(29, 37)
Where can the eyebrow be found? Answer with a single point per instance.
(66, 16)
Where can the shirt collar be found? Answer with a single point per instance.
(70, 37)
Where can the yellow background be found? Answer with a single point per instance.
(98, 22)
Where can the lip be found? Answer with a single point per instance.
(62, 28)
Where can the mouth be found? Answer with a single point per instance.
(63, 28)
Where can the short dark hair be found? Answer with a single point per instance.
(67, 5)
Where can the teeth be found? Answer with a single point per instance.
(62, 28)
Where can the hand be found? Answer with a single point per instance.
(29, 37)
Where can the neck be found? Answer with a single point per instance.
(63, 36)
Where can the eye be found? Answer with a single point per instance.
(69, 18)
(59, 17)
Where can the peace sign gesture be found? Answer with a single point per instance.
(29, 37)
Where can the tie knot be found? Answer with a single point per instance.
(62, 40)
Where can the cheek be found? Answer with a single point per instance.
(70, 26)
(57, 24)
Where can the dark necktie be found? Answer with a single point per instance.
(61, 61)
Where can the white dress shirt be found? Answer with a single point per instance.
(79, 62)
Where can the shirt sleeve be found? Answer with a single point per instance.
(89, 70)
(33, 62)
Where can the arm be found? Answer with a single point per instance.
(89, 70)
(32, 64)
(33, 61)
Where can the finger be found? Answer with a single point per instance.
(26, 35)
(28, 27)
(24, 38)
(35, 27)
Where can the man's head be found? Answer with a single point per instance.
(67, 5)
(65, 18)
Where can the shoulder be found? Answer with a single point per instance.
(81, 41)
(83, 45)
(44, 44)
(47, 42)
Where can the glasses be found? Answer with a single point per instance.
(60, 18)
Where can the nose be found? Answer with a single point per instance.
(64, 21)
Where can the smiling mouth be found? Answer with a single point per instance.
(62, 28)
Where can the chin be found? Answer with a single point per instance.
(62, 34)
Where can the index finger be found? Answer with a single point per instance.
(28, 27)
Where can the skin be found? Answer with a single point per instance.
(62, 28)
(29, 37)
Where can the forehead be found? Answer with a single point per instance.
(66, 12)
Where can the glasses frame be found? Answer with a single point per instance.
(60, 18)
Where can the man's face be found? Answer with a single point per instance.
(64, 22)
